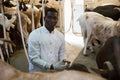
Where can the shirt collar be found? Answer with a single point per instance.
(45, 30)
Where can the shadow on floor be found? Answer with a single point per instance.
(88, 61)
(19, 60)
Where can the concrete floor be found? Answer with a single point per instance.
(19, 60)
(74, 45)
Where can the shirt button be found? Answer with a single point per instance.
(50, 43)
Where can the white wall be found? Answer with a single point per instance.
(67, 14)
(72, 10)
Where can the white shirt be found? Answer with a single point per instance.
(50, 47)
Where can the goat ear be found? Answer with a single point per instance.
(109, 65)
(119, 19)
(99, 71)
(117, 8)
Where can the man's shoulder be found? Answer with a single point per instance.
(60, 35)
(36, 31)
(34, 35)
(58, 32)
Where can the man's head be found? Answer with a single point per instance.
(51, 18)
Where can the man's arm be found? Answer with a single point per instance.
(62, 51)
(34, 53)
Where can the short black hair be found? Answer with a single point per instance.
(50, 9)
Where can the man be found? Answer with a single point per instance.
(46, 45)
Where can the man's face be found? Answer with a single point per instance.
(51, 20)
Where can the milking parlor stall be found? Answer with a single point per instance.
(82, 26)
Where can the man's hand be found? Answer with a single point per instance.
(61, 65)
